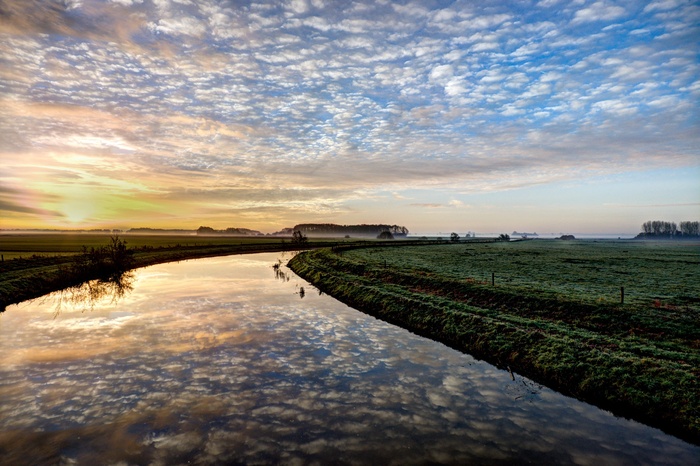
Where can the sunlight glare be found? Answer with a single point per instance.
(77, 210)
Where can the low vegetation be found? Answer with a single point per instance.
(550, 310)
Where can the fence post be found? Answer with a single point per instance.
(622, 295)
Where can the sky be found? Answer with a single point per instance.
(486, 116)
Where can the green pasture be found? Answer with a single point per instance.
(57, 244)
(660, 273)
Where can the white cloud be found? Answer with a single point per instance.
(511, 110)
(663, 5)
(599, 11)
(127, 2)
(179, 26)
(361, 97)
(414, 9)
(73, 4)
(484, 46)
(665, 101)
(455, 87)
(297, 6)
(614, 106)
(441, 73)
(547, 3)
(488, 21)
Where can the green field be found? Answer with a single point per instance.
(14, 246)
(553, 313)
(661, 273)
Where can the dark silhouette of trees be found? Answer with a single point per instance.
(228, 232)
(105, 262)
(385, 235)
(118, 254)
(690, 228)
(331, 229)
(454, 237)
(662, 229)
(299, 238)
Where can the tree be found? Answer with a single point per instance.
(690, 228)
(454, 237)
(119, 255)
(385, 235)
(299, 238)
(331, 229)
(504, 237)
(658, 228)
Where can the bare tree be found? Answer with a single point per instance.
(299, 238)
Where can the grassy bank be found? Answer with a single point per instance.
(44, 263)
(640, 359)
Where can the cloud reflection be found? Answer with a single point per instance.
(251, 374)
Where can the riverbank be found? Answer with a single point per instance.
(638, 362)
(35, 275)
(33, 265)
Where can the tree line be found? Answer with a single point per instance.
(331, 229)
(229, 231)
(659, 228)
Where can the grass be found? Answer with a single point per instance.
(554, 313)
(591, 271)
(15, 246)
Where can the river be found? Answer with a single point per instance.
(229, 361)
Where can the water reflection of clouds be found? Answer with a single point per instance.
(250, 374)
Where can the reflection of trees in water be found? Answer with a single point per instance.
(285, 277)
(279, 273)
(523, 389)
(90, 293)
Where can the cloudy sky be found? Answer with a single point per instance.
(489, 116)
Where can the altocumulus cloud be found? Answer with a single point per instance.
(304, 104)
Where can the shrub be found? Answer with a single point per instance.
(299, 238)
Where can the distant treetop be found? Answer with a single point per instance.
(331, 229)
(228, 232)
(662, 229)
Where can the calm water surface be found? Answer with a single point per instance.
(219, 361)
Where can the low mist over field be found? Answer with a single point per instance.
(547, 116)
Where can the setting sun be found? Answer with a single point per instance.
(77, 211)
